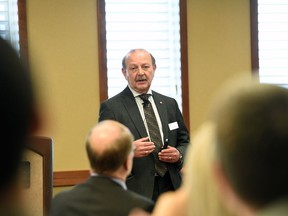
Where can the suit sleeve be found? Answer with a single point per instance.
(105, 113)
(183, 138)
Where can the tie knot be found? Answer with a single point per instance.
(145, 97)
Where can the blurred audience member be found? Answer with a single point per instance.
(252, 148)
(18, 120)
(110, 151)
(198, 196)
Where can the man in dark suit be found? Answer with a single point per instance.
(138, 68)
(110, 149)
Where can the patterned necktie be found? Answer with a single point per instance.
(154, 133)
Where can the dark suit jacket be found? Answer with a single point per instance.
(98, 196)
(123, 108)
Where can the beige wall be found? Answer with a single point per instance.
(63, 53)
(218, 48)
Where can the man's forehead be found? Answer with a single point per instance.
(139, 59)
(137, 54)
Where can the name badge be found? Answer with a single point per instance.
(173, 126)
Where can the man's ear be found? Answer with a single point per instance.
(124, 72)
(154, 67)
(125, 165)
(128, 163)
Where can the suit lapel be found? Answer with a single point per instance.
(162, 110)
(133, 111)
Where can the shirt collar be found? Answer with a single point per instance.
(118, 181)
(136, 94)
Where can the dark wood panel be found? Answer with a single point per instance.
(43, 146)
(69, 178)
(184, 62)
(23, 36)
(254, 37)
(102, 58)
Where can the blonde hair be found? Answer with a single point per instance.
(203, 197)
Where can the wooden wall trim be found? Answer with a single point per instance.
(23, 35)
(184, 63)
(254, 37)
(44, 146)
(69, 178)
(102, 50)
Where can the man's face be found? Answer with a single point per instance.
(139, 71)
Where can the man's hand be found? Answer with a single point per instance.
(169, 155)
(143, 147)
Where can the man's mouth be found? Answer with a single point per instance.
(141, 80)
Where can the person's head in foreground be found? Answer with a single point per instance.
(198, 195)
(110, 149)
(203, 196)
(18, 120)
(252, 148)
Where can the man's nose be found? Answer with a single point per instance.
(140, 71)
